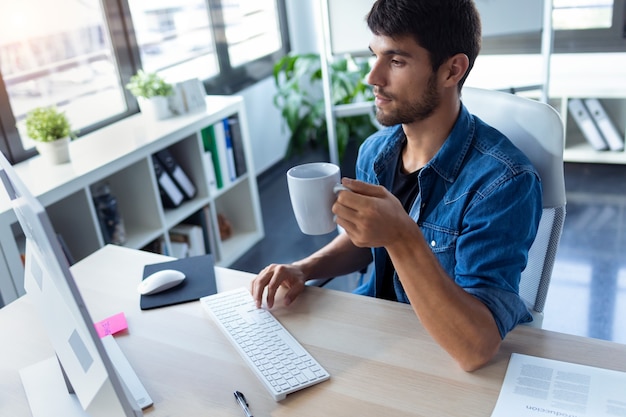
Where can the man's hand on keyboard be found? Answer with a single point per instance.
(289, 277)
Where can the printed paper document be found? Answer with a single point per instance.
(535, 387)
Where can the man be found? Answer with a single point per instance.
(445, 206)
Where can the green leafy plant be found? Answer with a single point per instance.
(299, 96)
(47, 124)
(149, 84)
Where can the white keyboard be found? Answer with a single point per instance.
(281, 363)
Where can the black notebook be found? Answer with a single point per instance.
(199, 281)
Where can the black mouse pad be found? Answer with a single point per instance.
(199, 282)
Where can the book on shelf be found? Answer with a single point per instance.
(586, 124)
(173, 168)
(210, 171)
(202, 218)
(230, 154)
(171, 196)
(156, 246)
(179, 249)
(220, 144)
(224, 142)
(191, 235)
(214, 141)
(238, 147)
(210, 148)
(605, 125)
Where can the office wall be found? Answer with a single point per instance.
(268, 136)
(303, 18)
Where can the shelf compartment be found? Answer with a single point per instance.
(237, 245)
(133, 187)
(578, 149)
(187, 155)
(71, 218)
(173, 216)
(240, 207)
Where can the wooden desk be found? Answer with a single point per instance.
(381, 360)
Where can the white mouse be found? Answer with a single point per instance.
(160, 281)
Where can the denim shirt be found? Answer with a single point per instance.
(478, 208)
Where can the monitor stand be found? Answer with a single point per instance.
(46, 391)
(47, 388)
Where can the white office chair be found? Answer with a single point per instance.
(536, 129)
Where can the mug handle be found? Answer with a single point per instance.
(339, 187)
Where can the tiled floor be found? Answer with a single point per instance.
(588, 291)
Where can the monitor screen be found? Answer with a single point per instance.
(93, 386)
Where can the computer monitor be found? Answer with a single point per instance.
(93, 386)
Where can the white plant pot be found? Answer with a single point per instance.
(155, 107)
(56, 152)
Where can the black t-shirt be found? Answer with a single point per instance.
(406, 188)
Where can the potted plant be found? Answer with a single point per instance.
(52, 132)
(152, 93)
(299, 96)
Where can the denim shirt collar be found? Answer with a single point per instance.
(447, 161)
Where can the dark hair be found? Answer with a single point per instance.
(443, 27)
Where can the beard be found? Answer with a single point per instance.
(413, 111)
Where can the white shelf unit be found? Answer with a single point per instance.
(584, 75)
(578, 149)
(121, 155)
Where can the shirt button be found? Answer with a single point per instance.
(433, 243)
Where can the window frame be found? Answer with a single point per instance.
(611, 39)
(229, 80)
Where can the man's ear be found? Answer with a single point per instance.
(454, 69)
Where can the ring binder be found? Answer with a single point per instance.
(585, 123)
(176, 172)
(604, 123)
(171, 196)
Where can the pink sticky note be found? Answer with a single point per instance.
(111, 325)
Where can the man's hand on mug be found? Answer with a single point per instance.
(370, 214)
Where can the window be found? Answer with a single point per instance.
(579, 26)
(79, 54)
(252, 30)
(175, 36)
(582, 14)
(57, 53)
(251, 37)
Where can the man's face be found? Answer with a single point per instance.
(404, 83)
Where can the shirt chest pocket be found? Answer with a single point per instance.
(442, 242)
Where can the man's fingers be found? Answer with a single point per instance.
(258, 285)
(363, 188)
(272, 278)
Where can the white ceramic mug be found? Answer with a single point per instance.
(313, 188)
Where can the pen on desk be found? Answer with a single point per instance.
(241, 399)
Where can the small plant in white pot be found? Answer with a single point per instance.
(52, 132)
(152, 93)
